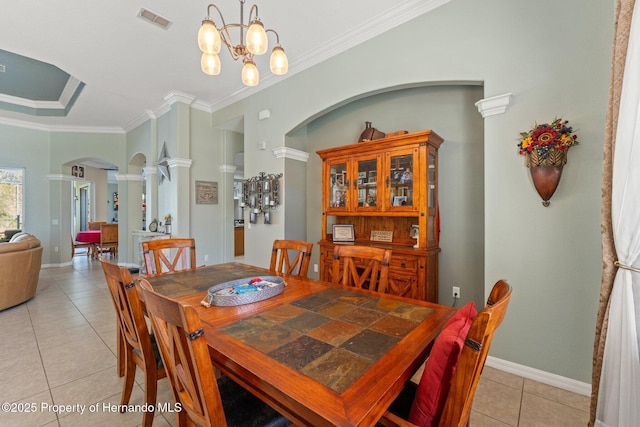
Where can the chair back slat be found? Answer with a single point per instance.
(361, 267)
(282, 253)
(167, 255)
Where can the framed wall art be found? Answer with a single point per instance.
(206, 193)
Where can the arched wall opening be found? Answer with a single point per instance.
(447, 109)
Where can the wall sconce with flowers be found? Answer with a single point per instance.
(260, 195)
(545, 149)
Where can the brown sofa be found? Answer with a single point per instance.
(20, 261)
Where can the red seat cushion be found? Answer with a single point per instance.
(439, 368)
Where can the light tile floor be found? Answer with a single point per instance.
(58, 353)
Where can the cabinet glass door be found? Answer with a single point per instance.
(339, 185)
(432, 209)
(366, 185)
(402, 166)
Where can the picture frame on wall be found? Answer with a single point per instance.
(77, 171)
(206, 193)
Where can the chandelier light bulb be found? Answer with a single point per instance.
(278, 62)
(209, 38)
(257, 42)
(210, 64)
(250, 75)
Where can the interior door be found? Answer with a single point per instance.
(84, 200)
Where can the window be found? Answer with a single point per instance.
(11, 196)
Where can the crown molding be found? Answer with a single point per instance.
(70, 89)
(402, 13)
(290, 153)
(62, 177)
(53, 128)
(228, 168)
(178, 96)
(494, 105)
(149, 171)
(128, 177)
(175, 162)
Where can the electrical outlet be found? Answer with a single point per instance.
(456, 292)
(206, 258)
(315, 268)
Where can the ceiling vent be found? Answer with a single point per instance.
(154, 18)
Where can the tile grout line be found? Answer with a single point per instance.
(44, 369)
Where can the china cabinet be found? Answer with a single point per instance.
(388, 190)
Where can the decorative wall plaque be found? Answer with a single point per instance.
(381, 236)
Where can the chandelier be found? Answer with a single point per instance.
(211, 37)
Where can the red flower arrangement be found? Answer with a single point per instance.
(546, 144)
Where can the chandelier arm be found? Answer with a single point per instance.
(227, 40)
(274, 32)
(224, 24)
(255, 6)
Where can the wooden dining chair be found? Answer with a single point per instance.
(140, 349)
(205, 399)
(79, 245)
(95, 225)
(108, 239)
(166, 255)
(361, 266)
(450, 379)
(282, 253)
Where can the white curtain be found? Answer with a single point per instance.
(619, 392)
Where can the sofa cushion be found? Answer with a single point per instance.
(19, 236)
(20, 242)
(440, 367)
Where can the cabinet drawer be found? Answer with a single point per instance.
(404, 263)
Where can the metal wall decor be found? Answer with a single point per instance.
(260, 196)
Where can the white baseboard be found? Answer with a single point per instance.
(66, 264)
(63, 264)
(540, 376)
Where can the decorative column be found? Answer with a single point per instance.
(59, 242)
(130, 213)
(150, 174)
(180, 203)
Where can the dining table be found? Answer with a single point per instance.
(320, 355)
(93, 238)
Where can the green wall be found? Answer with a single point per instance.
(551, 255)
(552, 56)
